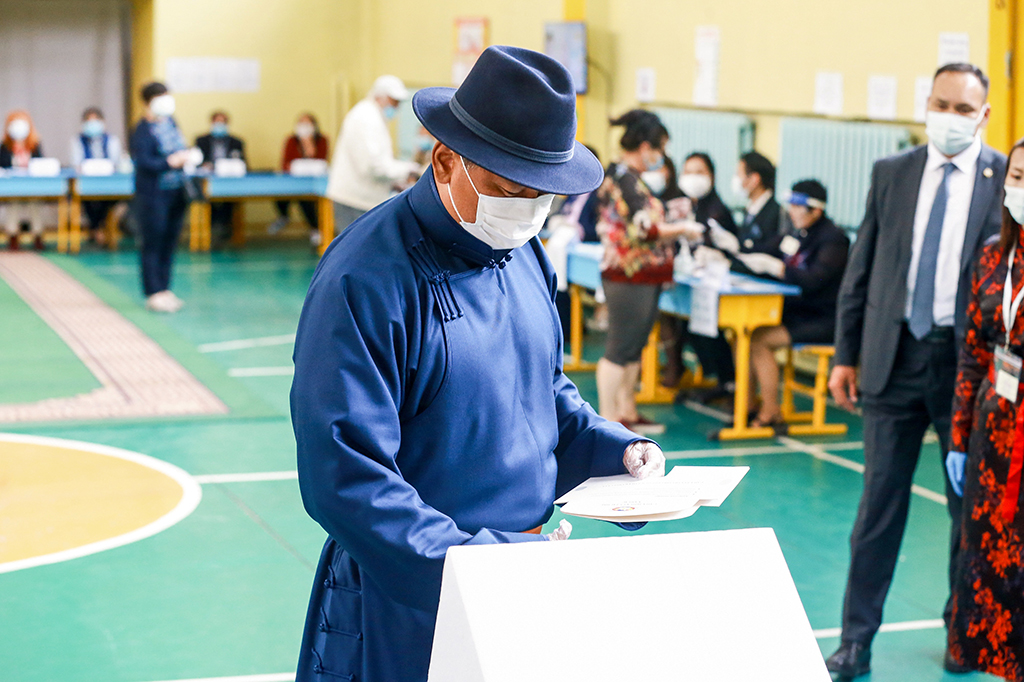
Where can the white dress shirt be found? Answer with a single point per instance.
(754, 207)
(954, 226)
(364, 167)
(113, 151)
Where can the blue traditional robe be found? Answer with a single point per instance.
(430, 410)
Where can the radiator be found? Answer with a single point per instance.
(840, 156)
(723, 136)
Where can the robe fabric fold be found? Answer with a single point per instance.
(430, 410)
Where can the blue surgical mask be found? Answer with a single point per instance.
(94, 127)
(219, 129)
(389, 113)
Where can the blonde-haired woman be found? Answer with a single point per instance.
(20, 144)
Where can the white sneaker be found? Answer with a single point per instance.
(277, 226)
(164, 302)
(174, 302)
(157, 303)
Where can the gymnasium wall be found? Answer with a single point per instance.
(323, 54)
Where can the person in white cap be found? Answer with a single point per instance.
(364, 170)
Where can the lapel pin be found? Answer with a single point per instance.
(987, 172)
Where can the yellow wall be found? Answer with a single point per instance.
(322, 55)
(771, 51)
(302, 49)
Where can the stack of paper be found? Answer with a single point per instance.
(674, 496)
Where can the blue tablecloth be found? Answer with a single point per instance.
(121, 184)
(267, 185)
(584, 270)
(26, 186)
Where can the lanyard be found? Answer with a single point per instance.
(1010, 312)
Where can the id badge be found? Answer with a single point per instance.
(1008, 369)
(789, 245)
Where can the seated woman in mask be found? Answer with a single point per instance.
(702, 205)
(812, 255)
(306, 142)
(20, 144)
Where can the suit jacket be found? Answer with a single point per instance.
(873, 296)
(758, 236)
(236, 148)
(817, 268)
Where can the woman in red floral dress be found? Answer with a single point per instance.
(986, 631)
(637, 263)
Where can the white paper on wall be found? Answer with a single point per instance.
(954, 47)
(882, 103)
(828, 93)
(708, 52)
(922, 91)
(646, 81)
(213, 74)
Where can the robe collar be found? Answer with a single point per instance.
(438, 224)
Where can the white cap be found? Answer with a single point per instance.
(390, 86)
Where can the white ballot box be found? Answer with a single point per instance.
(701, 607)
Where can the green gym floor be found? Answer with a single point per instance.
(223, 592)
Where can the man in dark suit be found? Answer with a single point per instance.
(755, 180)
(215, 145)
(901, 313)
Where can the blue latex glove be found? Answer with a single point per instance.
(955, 462)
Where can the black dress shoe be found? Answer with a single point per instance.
(950, 665)
(851, 659)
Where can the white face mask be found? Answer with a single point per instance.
(162, 105)
(1014, 202)
(18, 129)
(304, 130)
(695, 185)
(951, 133)
(655, 181)
(738, 189)
(504, 222)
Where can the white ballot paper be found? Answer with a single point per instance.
(674, 496)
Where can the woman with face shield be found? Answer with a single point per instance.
(20, 144)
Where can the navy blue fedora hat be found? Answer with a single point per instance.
(514, 115)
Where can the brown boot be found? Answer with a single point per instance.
(37, 244)
(13, 243)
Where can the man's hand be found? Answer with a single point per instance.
(763, 264)
(723, 238)
(562, 532)
(644, 459)
(843, 384)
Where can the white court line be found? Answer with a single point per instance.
(191, 494)
(272, 677)
(818, 452)
(240, 344)
(261, 371)
(248, 478)
(754, 450)
(888, 627)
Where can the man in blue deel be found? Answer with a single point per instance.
(429, 404)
